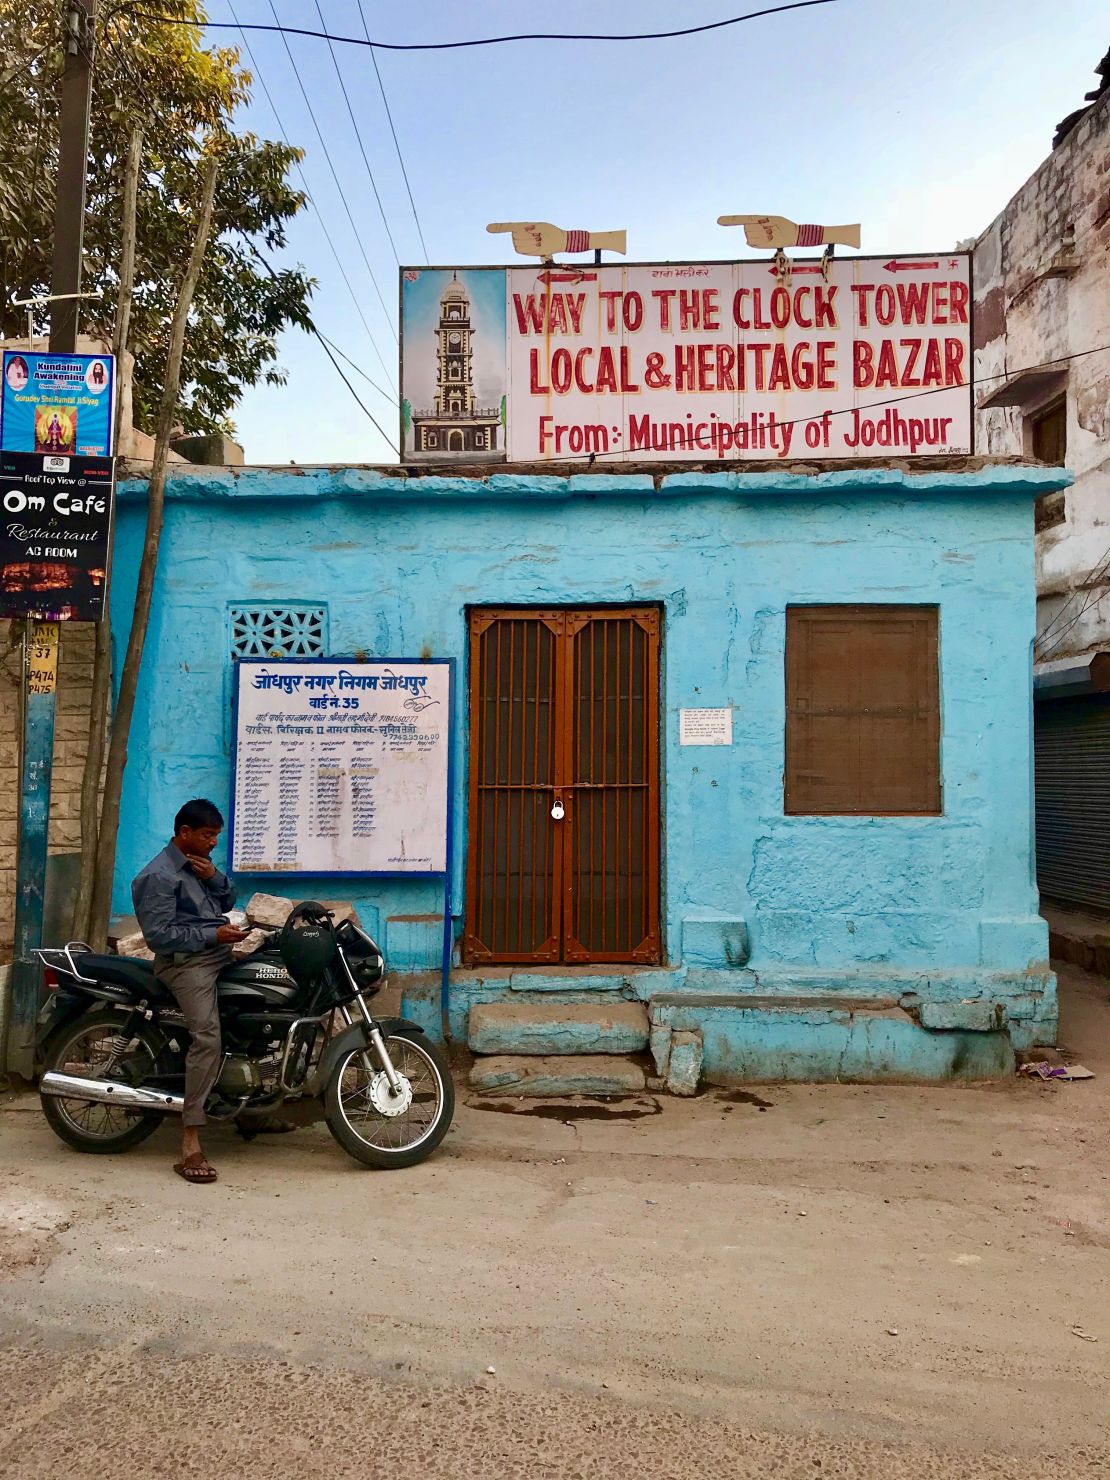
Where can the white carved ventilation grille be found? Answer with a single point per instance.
(279, 631)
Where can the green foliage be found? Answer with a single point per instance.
(184, 98)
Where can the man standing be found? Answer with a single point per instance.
(180, 901)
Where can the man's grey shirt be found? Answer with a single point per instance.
(178, 913)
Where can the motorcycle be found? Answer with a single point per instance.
(113, 1041)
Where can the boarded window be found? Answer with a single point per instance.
(862, 710)
(1050, 433)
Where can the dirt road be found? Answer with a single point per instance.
(837, 1279)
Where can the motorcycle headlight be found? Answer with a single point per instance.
(368, 971)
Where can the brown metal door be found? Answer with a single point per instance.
(563, 860)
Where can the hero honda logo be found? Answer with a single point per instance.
(270, 973)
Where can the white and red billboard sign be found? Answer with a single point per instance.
(711, 362)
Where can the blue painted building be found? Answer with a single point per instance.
(842, 885)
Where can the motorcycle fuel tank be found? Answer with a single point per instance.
(261, 977)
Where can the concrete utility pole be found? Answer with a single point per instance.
(73, 158)
(40, 639)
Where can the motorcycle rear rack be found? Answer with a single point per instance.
(44, 954)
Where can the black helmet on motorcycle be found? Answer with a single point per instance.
(307, 942)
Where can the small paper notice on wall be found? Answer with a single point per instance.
(705, 726)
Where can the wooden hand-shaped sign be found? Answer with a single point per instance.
(541, 239)
(776, 232)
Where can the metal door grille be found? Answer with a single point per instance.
(564, 709)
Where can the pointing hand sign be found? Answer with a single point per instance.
(776, 232)
(542, 239)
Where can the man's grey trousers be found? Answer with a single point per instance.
(192, 980)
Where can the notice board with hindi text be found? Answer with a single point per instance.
(341, 767)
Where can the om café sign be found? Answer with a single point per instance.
(865, 357)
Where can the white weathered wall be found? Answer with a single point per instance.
(1056, 317)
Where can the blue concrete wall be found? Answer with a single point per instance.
(837, 902)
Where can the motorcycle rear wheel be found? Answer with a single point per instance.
(357, 1103)
(87, 1048)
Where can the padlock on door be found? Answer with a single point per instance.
(557, 811)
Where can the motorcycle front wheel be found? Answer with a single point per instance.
(383, 1128)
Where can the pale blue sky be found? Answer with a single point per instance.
(919, 120)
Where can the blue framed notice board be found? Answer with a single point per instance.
(342, 767)
(345, 767)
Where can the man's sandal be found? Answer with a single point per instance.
(196, 1168)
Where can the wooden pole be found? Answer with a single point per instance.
(84, 926)
(148, 565)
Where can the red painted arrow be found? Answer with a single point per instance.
(568, 277)
(895, 266)
(793, 269)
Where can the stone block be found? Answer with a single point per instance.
(684, 1070)
(981, 1016)
(254, 941)
(414, 942)
(134, 945)
(210, 449)
(659, 1042)
(342, 909)
(1013, 944)
(553, 1027)
(715, 940)
(575, 1074)
(269, 909)
(71, 726)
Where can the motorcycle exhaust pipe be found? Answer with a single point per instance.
(109, 1092)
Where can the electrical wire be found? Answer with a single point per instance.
(334, 172)
(1095, 579)
(389, 442)
(939, 390)
(156, 114)
(840, 411)
(1049, 631)
(1043, 655)
(328, 351)
(728, 465)
(356, 366)
(393, 131)
(494, 40)
(24, 67)
(5, 82)
(257, 72)
(358, 136)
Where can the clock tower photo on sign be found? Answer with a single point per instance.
(456, 423)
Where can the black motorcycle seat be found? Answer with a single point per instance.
(123, 971)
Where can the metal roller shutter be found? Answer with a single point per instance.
(1073, 801)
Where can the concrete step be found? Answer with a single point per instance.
(558, 1028)
(760, 1039)
(1078, 937)
(563, 1075)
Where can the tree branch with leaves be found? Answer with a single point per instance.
(185, 98)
